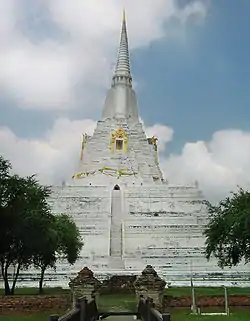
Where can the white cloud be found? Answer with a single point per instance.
(219, 165)
(38, 77)
(7, 20)
(53, 158)
(162, 132)
(196, 10)
(64, 72)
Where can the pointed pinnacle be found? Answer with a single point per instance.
(124, 15)
(123, 65)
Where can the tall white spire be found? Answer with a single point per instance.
(123, 64)
(121, 99)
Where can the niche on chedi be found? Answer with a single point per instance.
(119, 140)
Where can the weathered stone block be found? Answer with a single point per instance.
(150, 285)
(84, 284)
(118, 284)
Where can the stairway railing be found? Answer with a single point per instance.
(84, 310)
(148, 312)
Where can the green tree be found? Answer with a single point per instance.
(228, 231)
(61, 240)
(29, 233)
(45, 255)
(69, 239)
(5, 168)
(24, 219)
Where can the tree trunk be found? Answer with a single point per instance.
(4, 272)
(41, 279)
(6, 287)
(15, 279)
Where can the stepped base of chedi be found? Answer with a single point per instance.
(128, 215)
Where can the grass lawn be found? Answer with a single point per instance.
(235, 315)
(117, 302)
(207, 291)
(176, 315)
(33, 317)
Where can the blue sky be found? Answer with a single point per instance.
(203, 85)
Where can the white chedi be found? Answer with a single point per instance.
(127, 214)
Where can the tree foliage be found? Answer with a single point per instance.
(24, 217)
(228, 231)
(69, 239)
(62, 240)
(29, 233)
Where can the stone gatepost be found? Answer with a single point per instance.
(84, 284)
(150, 285)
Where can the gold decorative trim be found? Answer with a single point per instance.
(84, 139)
(154, 141)
(119, 133)
(107, 171)
(83, 174)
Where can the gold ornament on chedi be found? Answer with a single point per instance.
(84, 139)
(153, 140)
(120, 138)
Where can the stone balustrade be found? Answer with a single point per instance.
(84, 285)
(150, 286)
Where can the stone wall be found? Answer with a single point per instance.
(150, 285)
(34, 304)
(60, 303)
(118, 284)
(205, 301)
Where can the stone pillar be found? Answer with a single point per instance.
(84, 284)
(150, 285)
